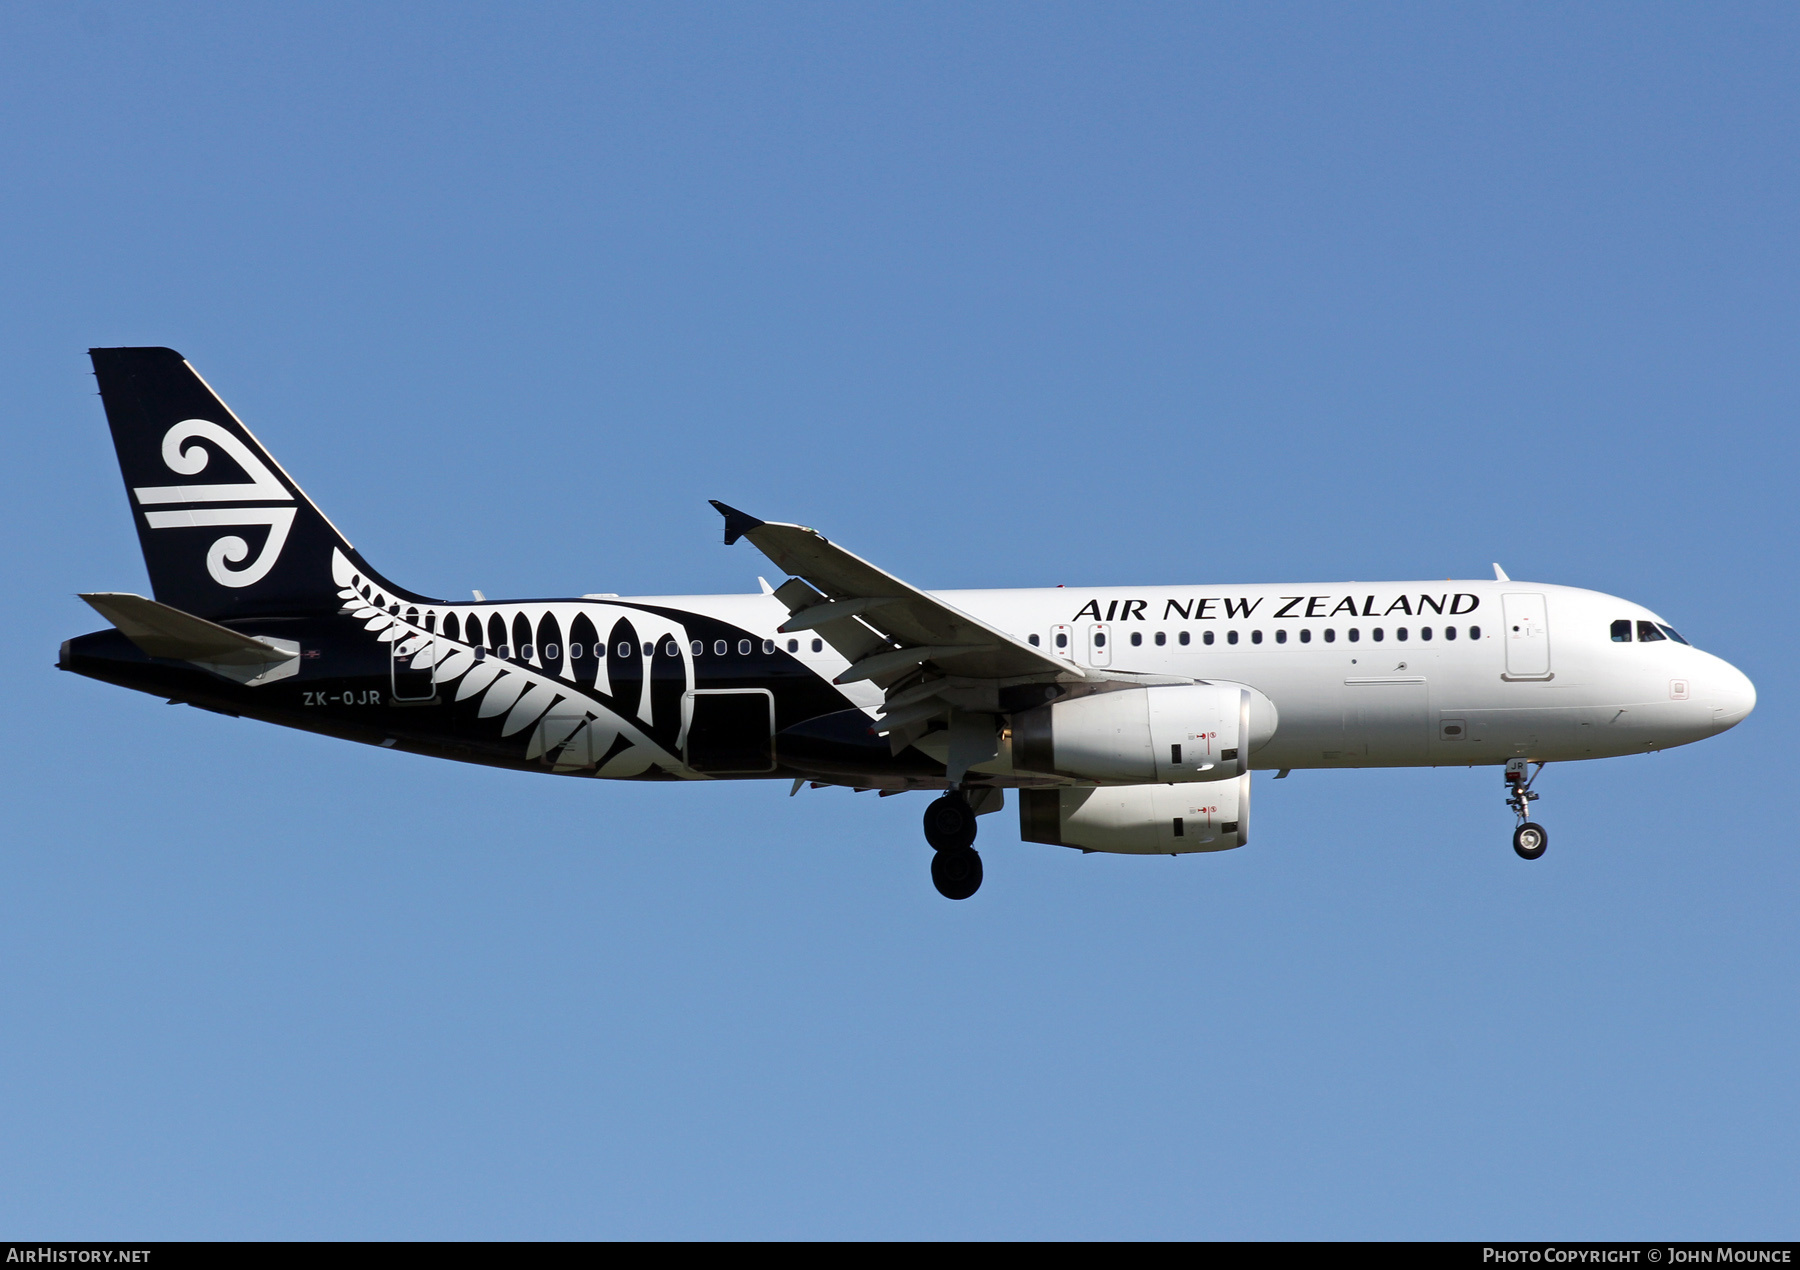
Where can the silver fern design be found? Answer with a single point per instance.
(605, 714)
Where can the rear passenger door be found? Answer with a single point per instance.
(411, 676)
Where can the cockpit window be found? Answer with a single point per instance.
(1648, 634)
(1621, 631)
(1672, 633)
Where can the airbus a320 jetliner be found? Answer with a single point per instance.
(1128, 719)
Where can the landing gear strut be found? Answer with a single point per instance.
(1529, 839)
(950, 829)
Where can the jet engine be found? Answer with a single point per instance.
(1133, 736)
(1140, 819)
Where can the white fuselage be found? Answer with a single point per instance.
(1366, 674)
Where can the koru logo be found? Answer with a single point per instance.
(262, 487)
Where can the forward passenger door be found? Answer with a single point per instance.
(1527, 636)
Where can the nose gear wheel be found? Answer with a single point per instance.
(1529, 839)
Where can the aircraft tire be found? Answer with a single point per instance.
(1530, 841)
(956, 873)
(950, 823)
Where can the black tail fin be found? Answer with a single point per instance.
(225, 532)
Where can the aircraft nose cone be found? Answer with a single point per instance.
(1734, 697)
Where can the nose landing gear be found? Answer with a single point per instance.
(1529, 839)
(950, 829)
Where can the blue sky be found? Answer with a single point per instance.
(994, 295)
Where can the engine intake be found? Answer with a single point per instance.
(1133, 736)
(1139, 819)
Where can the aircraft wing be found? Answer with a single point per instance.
(925, 654)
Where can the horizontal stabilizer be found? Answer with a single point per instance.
(162, 631)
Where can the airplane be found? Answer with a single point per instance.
(1126, 719)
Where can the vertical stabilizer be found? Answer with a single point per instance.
(225, 532)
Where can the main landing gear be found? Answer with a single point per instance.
(1529, 839)
(950, 829)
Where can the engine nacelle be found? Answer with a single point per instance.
(1140, 819)
(1133, 736)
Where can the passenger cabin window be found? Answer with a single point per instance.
(1330, 636)
(1062, 639)
(793, 646)
(697, 648)
(1306, 637)
(1377, 634)
(1449, 632)
(1208, 637)
(1231, 637)
(818, 646)
(1400, 634)
(1033, 638)
(743, 648)
(1648, 634)
(1424, 632)
(720, 648)
(1474, 632)
(1621, 631)
(1183, 637)
(1281, 637)
(1256, 637)
(1355, 634)
(1137, 639)
(1162, 638)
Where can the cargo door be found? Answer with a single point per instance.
(731, 730)
(1386, 720)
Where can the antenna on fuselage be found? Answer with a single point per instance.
(1500, 574)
